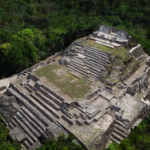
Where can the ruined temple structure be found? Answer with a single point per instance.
(97, 90)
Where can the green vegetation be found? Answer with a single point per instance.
(121, 53)
(131, 67)
(5, 142)
(32, 30)
(60, 77)
(62, 143)
(138, 139)
(101, 47)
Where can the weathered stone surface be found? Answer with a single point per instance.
(17, 134)
(110, 108)
(8, 107)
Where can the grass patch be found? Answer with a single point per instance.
(121, 52)
(91, 43)
(60, 77)
(130, 68)
(83, 38)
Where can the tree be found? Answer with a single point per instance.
(62, 143)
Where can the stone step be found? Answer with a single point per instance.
(97, 65)
(96, 50)
(66, 113)
(105, 44)
(121, 124)
(24, 123)
(31, 87)
(95, 71)
(89, 121)
(96, 56)
(52, 99)
(97, 117)
(35, 108)
(122, 134)
(91, 79)
(52, 104)
(24, 99)
(72, 63)
(114, 140)
(70, 121)
(35, 119)
(83, 70)
(77, 61)
(28, 89)
(76, 65)
(121, 129)
(17, 124)
(44, 108)
(80, 121)
(116, 136)
(23, 147)
(79, 58)
(35, 126)
(97, 60)
(52, 93)
(56, 98)
(26, 144)
(86, 48)
(93, 74)
(11, 125)
(35, 146)
(94, 67)
(76, 69)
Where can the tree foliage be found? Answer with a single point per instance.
(62, 143)
(37, 29)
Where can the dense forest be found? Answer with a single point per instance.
(31, 30)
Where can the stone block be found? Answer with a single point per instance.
(80, 121)
(17, 134)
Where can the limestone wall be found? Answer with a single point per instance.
(139, 84)
(137, 51)
(90, 96)
(105, 137)
(143, 113)
(119, 33)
